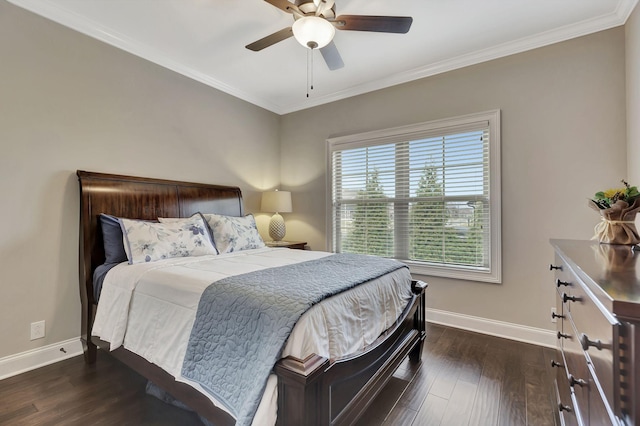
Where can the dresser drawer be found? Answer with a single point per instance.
(595, 335)
(577, 371)
(564, 401)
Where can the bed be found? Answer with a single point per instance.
(316, 390)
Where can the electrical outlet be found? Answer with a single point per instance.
(553, 315)
(37, 330)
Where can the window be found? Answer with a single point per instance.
(426, 194)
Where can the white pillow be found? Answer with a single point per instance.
(180, 219)
(232, 233)
(151, 241)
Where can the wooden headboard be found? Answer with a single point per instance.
(137, 198)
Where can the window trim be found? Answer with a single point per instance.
(420, 130)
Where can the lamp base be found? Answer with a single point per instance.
(277, 229)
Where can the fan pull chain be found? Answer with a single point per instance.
(309, 71)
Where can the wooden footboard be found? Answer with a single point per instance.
(317, 391)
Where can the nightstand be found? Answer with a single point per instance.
(287, 244)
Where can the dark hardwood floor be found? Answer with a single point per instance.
(469, 379)
(465, 379)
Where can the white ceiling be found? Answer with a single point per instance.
(205, 39)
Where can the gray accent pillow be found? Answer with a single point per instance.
(112, 238)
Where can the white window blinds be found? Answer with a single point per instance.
(423, 194)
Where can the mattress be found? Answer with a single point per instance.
(150, 308)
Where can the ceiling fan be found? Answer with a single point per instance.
(315, 22)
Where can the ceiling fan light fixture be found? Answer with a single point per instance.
(313, 32)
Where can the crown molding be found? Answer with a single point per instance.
(590, 26)
(93, 29)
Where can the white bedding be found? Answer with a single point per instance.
(150, 308)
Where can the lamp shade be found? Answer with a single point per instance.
(276, 202)
(313, 32)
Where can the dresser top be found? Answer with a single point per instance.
(611, 271)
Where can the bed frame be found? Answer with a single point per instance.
(313, 391)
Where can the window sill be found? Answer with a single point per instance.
(458, 273)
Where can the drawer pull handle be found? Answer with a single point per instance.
(563, 336)
(559, 283)
(573, 381)
(552, 267)
(586, 343)
(564, 408)
(555, 364)
(554, 315)
(566, 298)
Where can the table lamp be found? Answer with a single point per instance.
(276, 202)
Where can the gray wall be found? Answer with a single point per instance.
(632, 45)
(563, 138)
(69, 102)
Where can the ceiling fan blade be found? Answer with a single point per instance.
(332, 56)
(324, 5)
(271, 39)
(285, 5)
(380, 24)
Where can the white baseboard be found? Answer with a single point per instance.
(30, 360)
(521, 333)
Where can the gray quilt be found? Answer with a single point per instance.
(244, 321)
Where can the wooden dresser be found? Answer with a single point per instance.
(598, 327)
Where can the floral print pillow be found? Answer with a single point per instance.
(232, 233)
(151, 241)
